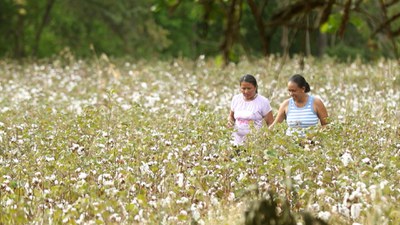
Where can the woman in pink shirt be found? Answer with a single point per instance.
(248, 107)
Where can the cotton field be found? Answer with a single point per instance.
(129, 142)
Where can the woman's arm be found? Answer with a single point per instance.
(231, 119)
(269, 118)
(281, 113)
(320, 109)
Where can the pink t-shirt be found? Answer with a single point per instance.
(246, 112)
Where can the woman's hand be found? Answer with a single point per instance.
(231, 123)
(231, 119)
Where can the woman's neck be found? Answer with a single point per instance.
(252, 98)
(302, 100)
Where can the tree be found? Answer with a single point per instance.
(177, 28)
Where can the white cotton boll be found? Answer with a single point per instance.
(172, 218)
(241, 176)
(315, 207)
(145, 169)
(329, 200)
(346, 159)
(372, 190)
(366, 160)
(355, 210)
(383, 183)
(320, 191)
(36, 180)
(231, 197)
(179, 181)
(9, 190)
(126, 107)
(298, 178)
(214, 201)
(82, 176)
(49, 159)
(195, 212)
(183, 200)
(81, 218)
(108, 183)
(166, 201)
(345, 198)
(342, 209)
(196, 215)
(324, 215)
(380, 165)
(65, 220)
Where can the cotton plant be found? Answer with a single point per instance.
(81, 145)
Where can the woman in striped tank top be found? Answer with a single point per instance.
(301, 110)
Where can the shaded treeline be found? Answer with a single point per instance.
(226, 29)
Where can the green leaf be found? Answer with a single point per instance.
(332, 25)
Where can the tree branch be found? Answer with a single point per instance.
(231, 29)
(345, 18)
(387, 5)
(389, 30)
(286, 14)
(396, 33)
(45, 21)
(385, 24)
(260, 25)
(326, 12)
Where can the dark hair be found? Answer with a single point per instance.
(249, 79)
(300, 81)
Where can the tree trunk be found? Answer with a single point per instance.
(260, 26)
(45, 21)
(322, 43)
(307, 40)
(285, 40)
(389, 29)
(19, 50)
(345, 18)
(230, 30)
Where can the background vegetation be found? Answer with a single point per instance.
(224, 29)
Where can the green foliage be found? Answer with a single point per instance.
(159, 29)
(345, 53)
(332, 25)
(110, 27)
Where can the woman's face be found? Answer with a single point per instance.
(295, 91)
(248, 90)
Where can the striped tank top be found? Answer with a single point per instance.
(301, 117)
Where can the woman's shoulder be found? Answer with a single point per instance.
(263, 98)
(316, 99)
(237, 98)
(285, 102)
